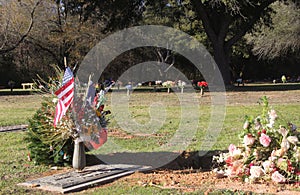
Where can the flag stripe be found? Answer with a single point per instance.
(66, 87)
(65, 96)
(66, 93)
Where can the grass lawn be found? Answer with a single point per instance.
(14, 167)
(15, 110)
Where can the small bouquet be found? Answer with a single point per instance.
(202, 85)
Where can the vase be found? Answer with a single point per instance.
(201, 91)
(79, 159)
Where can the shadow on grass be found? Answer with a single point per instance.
(265, 87)
(158, 160)
(17, 92)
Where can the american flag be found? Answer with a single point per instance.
(65, 95)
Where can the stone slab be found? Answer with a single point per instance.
(79, 180)
(13, 128)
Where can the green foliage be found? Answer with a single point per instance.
(282, 38)
(48, 144)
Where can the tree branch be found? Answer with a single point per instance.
(201, 12)
(2, 51)
(250, 24)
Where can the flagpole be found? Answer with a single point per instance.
(65, 62)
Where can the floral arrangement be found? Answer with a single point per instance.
(168, 84)
(55, 145)
(268, 152)
(202, 85)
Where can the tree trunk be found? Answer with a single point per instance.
(222, 59)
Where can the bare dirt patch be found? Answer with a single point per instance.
(191, 181)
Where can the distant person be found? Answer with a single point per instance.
(11, 85)
(129, 88)
(240, 79)
(283, 79)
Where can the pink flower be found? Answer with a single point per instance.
(235, 169)
(256, 171)
(248, 140)
(265, 140)
(231, 148)
(278, 178)
(246, 125)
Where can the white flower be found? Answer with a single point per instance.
(256, 171)
(267, 166)
(54, 100)
(297, 155)
(246, 125)
(293, 139)
(257, 123)
(277, 177)
(248, 140)
(272, 115)
(285, 145)
(231, 149)
(271, 123)
(237, 152)
(283, 131)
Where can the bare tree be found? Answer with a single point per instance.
(14, 29)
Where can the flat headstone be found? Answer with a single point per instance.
(79, 180)
(13, 128)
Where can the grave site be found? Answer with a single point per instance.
(149, 97)
(188, 171)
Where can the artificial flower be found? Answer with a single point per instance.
(246, 125)
(292, 127)
(265, 140)
(267, 165)
(275, 155)
(257, 124)
(231, 148)
(272, 115)
(285, 145)
(256, 171)
(248, 140)
(234, 169)
(297, 155)
(283, 131)
(278, 178)
(293, 139)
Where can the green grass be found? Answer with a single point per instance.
(14, 167)
(15, 110)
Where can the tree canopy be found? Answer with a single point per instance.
(282, 37)
(40, 33)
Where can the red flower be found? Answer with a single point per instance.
(264, 131)
(202, 84)
(229, 161)
(259, 133)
